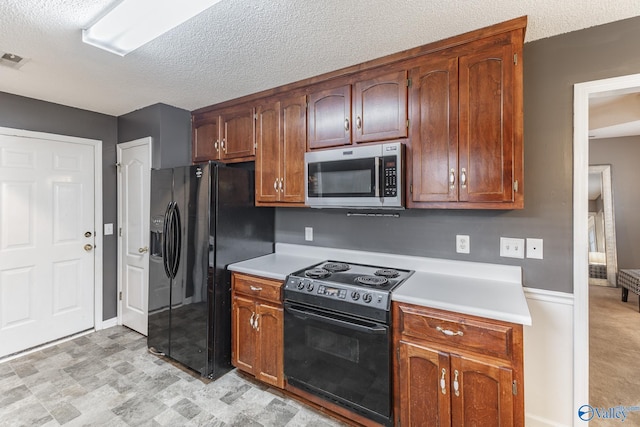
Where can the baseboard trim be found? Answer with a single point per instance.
(535, 421)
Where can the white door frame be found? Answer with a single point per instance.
(98, 252)
(119, 147)
(581, 92)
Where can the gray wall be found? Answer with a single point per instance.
(29, 114)
(551, 67)
(623, 155)
(170, 128)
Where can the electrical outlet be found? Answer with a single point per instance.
(308, 234)
(462, 244)
(534, 248)
(511, 248)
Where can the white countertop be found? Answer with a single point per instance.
(489, 290)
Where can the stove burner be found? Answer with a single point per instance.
(336, 267)
(387, 272)
(372, 280)
(317, 273)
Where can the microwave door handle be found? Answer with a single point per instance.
(377, 176)
(303, 314)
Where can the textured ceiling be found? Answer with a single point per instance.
(238, 47)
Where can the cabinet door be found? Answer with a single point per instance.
(294, 143)
(206, 140)
(243, 334)
(330, 117)
(270, 359)
(486, 125)
(238, 133)
(268, 152)
(434, 146)
(424, 388)
(380, 107)
(484, 397)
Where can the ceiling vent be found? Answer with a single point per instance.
(12, 61)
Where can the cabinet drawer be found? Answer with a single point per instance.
(270, 290)
(491, 338)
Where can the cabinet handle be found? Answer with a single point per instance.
(452, 178)
(223, 145)
(358, 122)
(463, 178)
(456, 385)
(251, 321)
(257, 328)
(255, 288)
(449, 332)
(275, 184)
(346, 124)
(280, 185)
(443, 383)
(216, 144)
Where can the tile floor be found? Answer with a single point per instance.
(108, 378)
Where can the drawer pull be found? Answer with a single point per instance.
(449, 332)
(443, 383)
(255, 288)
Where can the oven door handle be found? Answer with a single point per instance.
(304, 314)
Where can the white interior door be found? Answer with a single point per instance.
(47, 238)
(134, 175)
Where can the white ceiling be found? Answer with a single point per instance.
(238, 47)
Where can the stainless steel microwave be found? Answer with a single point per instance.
(364, 176)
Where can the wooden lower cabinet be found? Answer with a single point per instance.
(448, 380)
(257, 328)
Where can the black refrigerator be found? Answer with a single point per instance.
(203, 218)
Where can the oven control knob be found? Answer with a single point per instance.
(300, 285)
(310, 286)
(355, 295)
(366, 297)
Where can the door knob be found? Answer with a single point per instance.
(88, 247)
(88, 234)
(143, 250)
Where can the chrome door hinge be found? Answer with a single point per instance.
(515, 58)
(515, 186)
(407, 123)
(120, 296)
(514, 387)
(120, 231)
(255, 145)
(408, 82)
(255, 116)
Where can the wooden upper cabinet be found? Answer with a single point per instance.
(434, 94)
(486, 131)
(330, 117)
(380, 107)
(238, 133)
(206, 138)
(466, 127)
(281, 138)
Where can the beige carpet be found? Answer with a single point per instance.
(614, 349)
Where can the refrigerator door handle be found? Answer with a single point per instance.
(177, 233)
(165, 240)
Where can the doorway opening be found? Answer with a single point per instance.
(582, 93)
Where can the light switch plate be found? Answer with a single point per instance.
(534, 248)
(108, 229)
(511, 247)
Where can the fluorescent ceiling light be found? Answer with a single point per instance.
(133, 23)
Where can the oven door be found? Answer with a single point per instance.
(340, 358)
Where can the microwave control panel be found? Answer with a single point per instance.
(390, 176)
